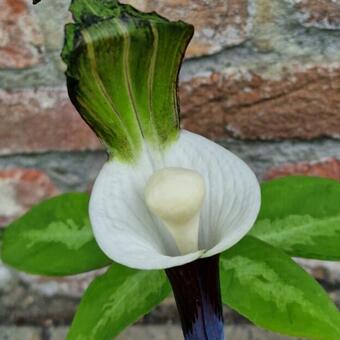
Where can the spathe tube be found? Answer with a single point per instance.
(196, 287)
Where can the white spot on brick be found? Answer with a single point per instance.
(5, 276)
(8, 203)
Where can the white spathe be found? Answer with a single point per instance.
(130, 234)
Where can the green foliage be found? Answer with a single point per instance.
(54, 238)
(301, 215)
(82, 10)
(266, 286)
(122, 74)
(115, 300)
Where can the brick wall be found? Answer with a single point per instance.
(262, 77)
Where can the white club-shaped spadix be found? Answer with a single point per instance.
(176, 195)
(195, 199)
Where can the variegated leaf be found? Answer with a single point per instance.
(266, 286)
(301, 215)
(115, 300)
(54, 238)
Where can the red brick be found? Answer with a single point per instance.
(21, 40)
(329, 168)
(300, 102)
(72, 286)
(20, 189)
(319, 13)
(42, 120)
(218, 23)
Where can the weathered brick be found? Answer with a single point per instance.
(324, 14)
(41, 120)
(71, 286)
(21, 41)
(324, 271)
(329, 168)
(265, 25)
(218, 23)
(20, 333)
(20, 189)
(174, 332)
(302, 102)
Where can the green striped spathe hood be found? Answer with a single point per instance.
(122, 72)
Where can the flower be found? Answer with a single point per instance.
(166, 196)
(129, 233)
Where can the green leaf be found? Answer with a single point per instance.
(115, 300)
(266, 286)
(122, 74)
(301, 215)
(54, 238)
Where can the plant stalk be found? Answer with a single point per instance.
(196, 288)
